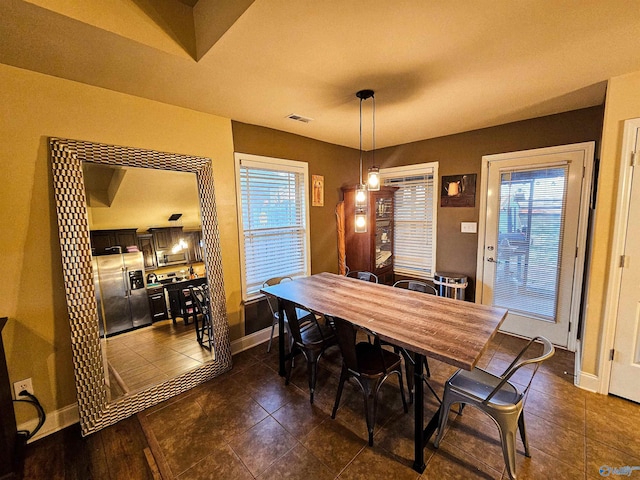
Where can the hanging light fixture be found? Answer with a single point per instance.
(361, 195)
(373, 180)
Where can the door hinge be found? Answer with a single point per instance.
(623, 261)
(635, 156)
(569, 326)
(611, 353)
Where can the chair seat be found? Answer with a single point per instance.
(371, 362)
(480, 383)
(316, 333)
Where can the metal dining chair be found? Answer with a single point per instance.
(497, 397)
(409, 359)
(310, 339)
(366, 276)
(368, 364)
(273, 307)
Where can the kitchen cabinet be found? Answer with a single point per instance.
(165, 238)
(103, 240)
(371, 251)
(194, 248)
(146, 246)
(157, 304)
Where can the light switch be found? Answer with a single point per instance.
(469, 227)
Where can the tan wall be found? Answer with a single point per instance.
(622, 103)
(462, 154)
(34, 107)
(338, 165)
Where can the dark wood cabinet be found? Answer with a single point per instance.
(103, 240)
(166, 238)
(371, 251)
(157, 304)
(146, 246)
(194, 248)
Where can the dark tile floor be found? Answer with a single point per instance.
(247, 424)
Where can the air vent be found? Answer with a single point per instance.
(299, 118)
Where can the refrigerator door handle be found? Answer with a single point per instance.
(124, 282)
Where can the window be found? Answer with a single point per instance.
(273, 220)
(415, 204)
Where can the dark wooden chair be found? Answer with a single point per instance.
(311, 341)
(368, 364)
(204, 329)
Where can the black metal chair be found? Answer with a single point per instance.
(409, 359)
(496, 396)
(204, 328)
(366, 276)
(368, 364)
(310, 338)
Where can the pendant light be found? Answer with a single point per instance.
(361, 195)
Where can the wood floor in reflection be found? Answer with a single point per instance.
(150, 355)
(248, 424)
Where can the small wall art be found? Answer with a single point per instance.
(458, 191)
(317, 189)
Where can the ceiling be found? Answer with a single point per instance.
(437, 67)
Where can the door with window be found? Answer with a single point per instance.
(531, 254)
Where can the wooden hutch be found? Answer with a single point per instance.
(371, 251)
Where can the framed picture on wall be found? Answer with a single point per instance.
(458, 190)
(317, 191)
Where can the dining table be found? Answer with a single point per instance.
(452, 331)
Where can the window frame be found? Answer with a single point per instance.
(279, 164)
(430, 168)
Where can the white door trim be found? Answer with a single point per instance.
(589, 151)
(618, 244)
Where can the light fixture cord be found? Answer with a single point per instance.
(360, 142)
(373, 134)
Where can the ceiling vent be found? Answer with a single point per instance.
(299, 118)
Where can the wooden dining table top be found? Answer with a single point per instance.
(453, 331)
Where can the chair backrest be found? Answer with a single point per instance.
(416, 286)
(366, 276)
(291, 313)
(272, 301)
(200, 296)
(548, 351)
(346, 333)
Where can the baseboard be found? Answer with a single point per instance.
(56, 421)
(256, 338)
(588, 381)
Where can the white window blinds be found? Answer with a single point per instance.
(273, 211)
(414, 218)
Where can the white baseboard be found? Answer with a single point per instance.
(56, 421)
(256, 338)
(588, 381)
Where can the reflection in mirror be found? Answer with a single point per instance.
(95, 406)
(146, 256)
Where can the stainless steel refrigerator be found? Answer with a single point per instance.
(120, 292)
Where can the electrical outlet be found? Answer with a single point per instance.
(23, 385)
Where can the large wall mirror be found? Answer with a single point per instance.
(88, 178)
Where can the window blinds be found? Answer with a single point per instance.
(273, 223)
(414, 221)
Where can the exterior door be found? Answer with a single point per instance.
(531, 256)
(625, 367)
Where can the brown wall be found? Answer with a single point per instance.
(338, 165)
(462, 154)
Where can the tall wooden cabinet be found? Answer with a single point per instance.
(371, 251)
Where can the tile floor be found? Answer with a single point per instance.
(247, 424)
(153, 354)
